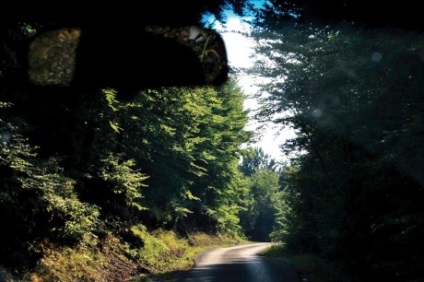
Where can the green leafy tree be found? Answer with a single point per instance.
(187, 140)
(254, 159)
(78, 161)
(37, 200)
(354, 99)
(264, 196)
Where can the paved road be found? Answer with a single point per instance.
(238, 264)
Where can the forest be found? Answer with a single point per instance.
(353, 92)
(101, 165)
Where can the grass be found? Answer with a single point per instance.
(165, 252)
(112, 259)
(312, 267)
(91, 260)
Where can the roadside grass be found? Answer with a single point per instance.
(161, 253)
(311, 267)
(165, 253)
(91, 260)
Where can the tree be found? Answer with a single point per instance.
(76, 155)
(354, 98)
(256, 159)
(187, 140)
(262, 202)
(358, 12)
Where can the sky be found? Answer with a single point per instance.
(240, 52)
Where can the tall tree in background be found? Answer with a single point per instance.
(264, 196)
(254, 159)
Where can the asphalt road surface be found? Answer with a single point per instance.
(238, 264)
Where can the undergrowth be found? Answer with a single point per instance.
(91, 260)
(312, 267)
(113, 259)
(165, 251)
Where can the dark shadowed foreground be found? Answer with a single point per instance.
(239, 263)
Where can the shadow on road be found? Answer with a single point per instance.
(239, 270)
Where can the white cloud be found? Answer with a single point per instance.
(239, 49)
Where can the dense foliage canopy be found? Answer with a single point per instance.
(82, 160)
(354, 96)
(102, 158)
